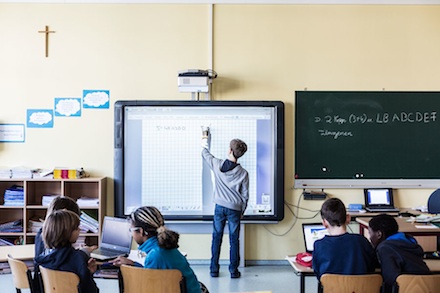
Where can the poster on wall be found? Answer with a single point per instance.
(67, 107)
(11, 132)
(96, 99)
(39, 118)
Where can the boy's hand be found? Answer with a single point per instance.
(92, 265)
(205, 137)
(205, 132)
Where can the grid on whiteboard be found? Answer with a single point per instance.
(172, 163)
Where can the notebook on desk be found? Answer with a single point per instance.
(379, 200)
(312, 232)
(115, 239)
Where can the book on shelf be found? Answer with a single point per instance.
(5, 242)
(12, 227)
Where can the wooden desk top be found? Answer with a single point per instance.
(407, 227)
(22, 252)
(355, 215)
(433, 265)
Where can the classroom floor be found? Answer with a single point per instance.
(277, 278)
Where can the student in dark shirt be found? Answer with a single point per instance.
(397, 252)
(341, 252)
(60, 230)
(59, 203)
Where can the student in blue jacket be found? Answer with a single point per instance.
(159, 245)
(60, 230)
(397, 252)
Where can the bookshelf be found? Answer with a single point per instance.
(33, 209)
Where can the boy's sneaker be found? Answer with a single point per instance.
(214, 274)
(235, 275)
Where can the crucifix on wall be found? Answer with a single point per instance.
(47, 32)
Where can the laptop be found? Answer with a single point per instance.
(313, 232)
(115, 239)
(379, 200)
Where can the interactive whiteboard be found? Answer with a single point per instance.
(158, 158)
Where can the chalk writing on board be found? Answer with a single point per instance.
(379, 118)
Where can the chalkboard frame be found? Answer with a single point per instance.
(310, 106)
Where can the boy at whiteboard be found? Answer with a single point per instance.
(231, 194)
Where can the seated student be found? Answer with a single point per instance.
(160, 246)
(59, 203)
(60, 230)
(397, 252)
(341, 252)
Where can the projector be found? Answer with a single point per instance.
(193, 80)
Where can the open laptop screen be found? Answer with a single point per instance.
(382, 197)
(116, 234)
(313, 232)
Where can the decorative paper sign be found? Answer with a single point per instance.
(39, 118)
(11, 132)
(97, 99)
(68, 107)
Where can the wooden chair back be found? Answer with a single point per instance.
(334, 283)
(136, 279)
(59, 281)
(418, 283)
(21, 275)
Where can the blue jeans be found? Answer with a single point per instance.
(233, 217)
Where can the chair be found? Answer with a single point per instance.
(59, 281)
(418, 283)
(136, 279)
(335, 283)
(434, 202)
(21, 274)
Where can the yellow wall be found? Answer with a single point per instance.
(261, 52)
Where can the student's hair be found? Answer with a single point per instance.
(333, 210)
(384, 223)
(151, 221)
(63, 203)
(58, 228)
(238, 147)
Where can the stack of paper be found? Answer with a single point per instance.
(426, 218)
(88, 223)
(80, 242)
(87, 202)
(47, 199)
(5, 173)
(14, 196)
(35, 225)
(21, 172)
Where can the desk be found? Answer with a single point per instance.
(426, 235)
(355, 215)
(303, 272)
(21, 252)
(300, 271)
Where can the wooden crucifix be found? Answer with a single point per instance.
(47, 32)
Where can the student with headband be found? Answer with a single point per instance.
(160, 246)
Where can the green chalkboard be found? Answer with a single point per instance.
(367, 135)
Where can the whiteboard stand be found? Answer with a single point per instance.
(242, 247)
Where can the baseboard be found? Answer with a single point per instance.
(271, 262)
